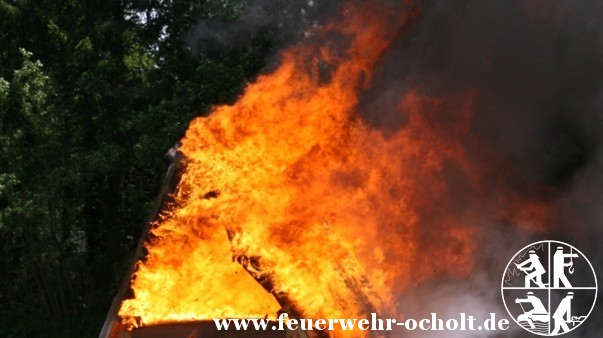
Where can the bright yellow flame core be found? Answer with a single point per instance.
(329, 204)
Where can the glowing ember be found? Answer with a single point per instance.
(330, 207)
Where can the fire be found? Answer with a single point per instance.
(291, 182)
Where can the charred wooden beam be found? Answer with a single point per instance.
(113, 325)
(253, 265)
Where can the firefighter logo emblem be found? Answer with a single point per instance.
(549, 288)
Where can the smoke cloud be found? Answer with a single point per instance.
(286, 20)
(535, 71)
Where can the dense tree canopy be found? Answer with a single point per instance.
(92, 94)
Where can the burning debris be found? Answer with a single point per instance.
(384, 152)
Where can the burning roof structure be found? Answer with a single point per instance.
(399, 147)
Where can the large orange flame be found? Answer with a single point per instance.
(330, 206)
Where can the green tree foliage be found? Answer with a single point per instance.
(92, 94)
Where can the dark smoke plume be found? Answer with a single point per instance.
(536, 70)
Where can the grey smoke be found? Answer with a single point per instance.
(536, 68)
(537, 73)
(286, 21)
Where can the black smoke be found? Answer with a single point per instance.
(535, 69)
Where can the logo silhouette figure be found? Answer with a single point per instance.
(563, 314)
(559, 266)
(538, 311)
(533, 270)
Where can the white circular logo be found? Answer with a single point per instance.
(549, 288)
